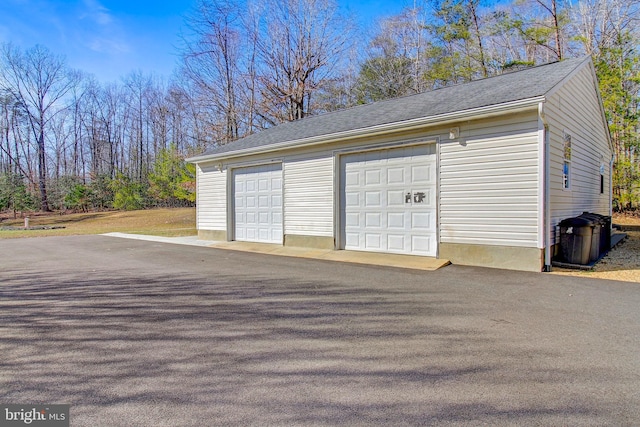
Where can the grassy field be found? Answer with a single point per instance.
(159, 222)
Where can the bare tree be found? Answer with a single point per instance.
(396, 58)
(139, 87)
(556, 16)
(39, 80)
(212, 56)
(543, 27)
(299, 46)
(599, 23)
(10, 147)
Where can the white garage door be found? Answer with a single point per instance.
(258, 203)
(389, 201)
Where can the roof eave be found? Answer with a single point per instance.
(405, 125)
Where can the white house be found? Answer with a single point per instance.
(479, 173)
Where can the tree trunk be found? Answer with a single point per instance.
(42, 173)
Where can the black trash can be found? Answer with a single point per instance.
(576, 236)
(597, 221)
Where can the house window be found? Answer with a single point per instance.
(566, 167)
(601, 184)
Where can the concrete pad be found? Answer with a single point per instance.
(369, 258)
(182, 240)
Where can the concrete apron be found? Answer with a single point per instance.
(370, 258)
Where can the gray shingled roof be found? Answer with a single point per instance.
(520, 85)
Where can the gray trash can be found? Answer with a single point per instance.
(576, 235)
(605, 233)
(598, 225)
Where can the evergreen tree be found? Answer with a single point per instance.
(170, 182)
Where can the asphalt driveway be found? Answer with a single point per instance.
(134, 333)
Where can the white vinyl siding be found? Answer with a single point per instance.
(574, 109)
(489, 185)
(211, 212)
(308, 196)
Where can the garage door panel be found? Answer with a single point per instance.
(352, 239)
(373, 220)
(276, 183)
(263, 184)
(353, 178)
(240, 235)
(352, 199)
(395, 242)
(373, 241)
(372, 177)
(239, 201)
(258, 203)
(241, 218)
(389, 200)
(396, 220)
(352, 220)
(372, 199)
(421, 220)
(395, 198)
(422, 244)
(395, 175)
(421, 174)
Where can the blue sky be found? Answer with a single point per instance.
(111, 38)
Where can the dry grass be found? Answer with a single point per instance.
(631, 218)
(160, 222)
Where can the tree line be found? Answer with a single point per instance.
(68, 141)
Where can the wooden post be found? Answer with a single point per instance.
(26, 222)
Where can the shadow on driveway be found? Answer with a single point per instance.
(291, 342)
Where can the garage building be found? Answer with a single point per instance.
(479, 173)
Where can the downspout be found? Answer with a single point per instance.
(546, 194)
